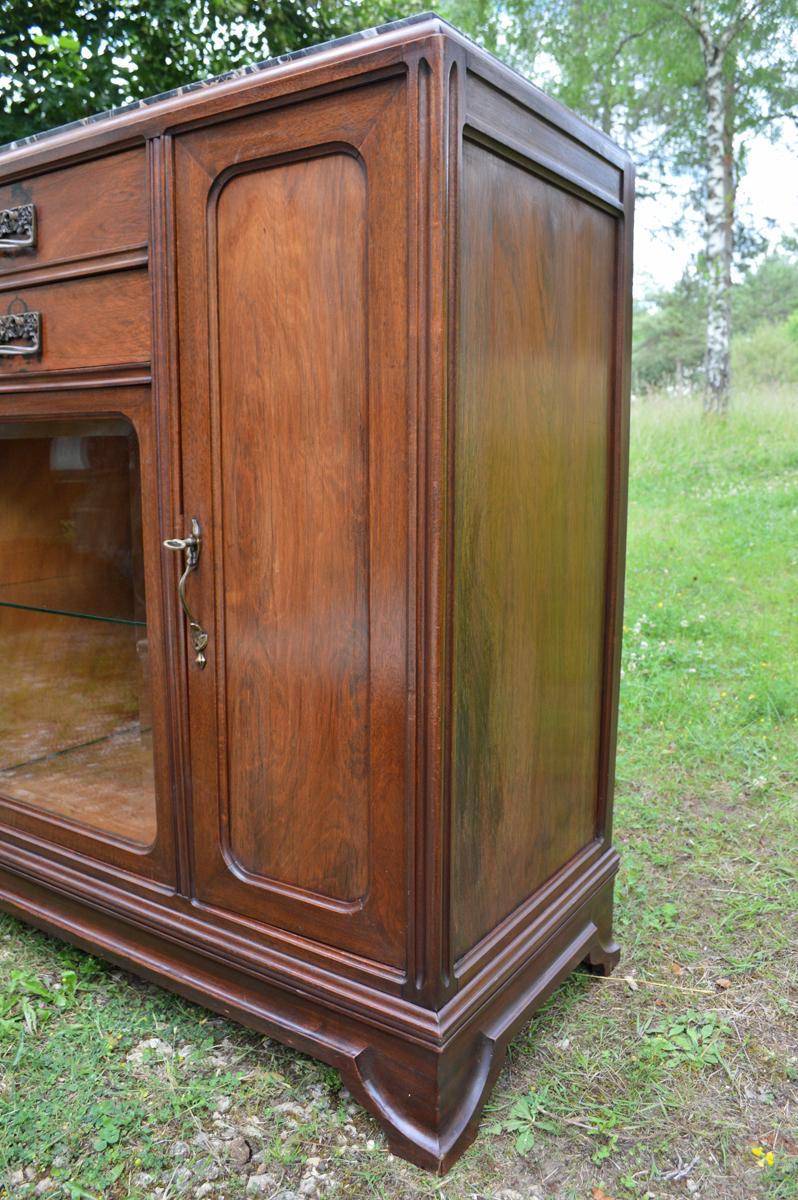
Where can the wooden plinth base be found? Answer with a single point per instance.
(424, 1075)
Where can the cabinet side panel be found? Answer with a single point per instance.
(530, 525)
(294, 430)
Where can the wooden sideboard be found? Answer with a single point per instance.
(313, 439)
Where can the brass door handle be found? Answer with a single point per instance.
(191, 547)
(18, 227)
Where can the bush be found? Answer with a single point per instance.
(769, 355)
(792, 327)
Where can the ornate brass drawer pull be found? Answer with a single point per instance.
(191, 547)
(16, 327)
(18, 227)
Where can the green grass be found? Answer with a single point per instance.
(687, 1058)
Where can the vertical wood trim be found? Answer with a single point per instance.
(616, 510)
(418, 931)
(166, 417)
(431, 362)
(432, 980)
(456, 82)
(414, 833)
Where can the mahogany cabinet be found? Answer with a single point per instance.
(313, 435)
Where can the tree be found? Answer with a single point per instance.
(747, 79)
(65, 59)
(669, 345)
(684, 83)
(767, 295)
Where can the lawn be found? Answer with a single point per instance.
(677, 1077)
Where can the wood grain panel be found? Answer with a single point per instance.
(96, 207)
(292, 374)
(530, 525)
(97, 321)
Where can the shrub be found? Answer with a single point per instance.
(769, 355)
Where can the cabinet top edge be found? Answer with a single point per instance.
(376, 37)
(115, 128)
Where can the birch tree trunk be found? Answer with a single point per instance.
(719, 219)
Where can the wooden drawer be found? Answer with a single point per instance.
(102, 320)
(84, 212)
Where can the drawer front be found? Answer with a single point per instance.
(81, 212)
(102, 320)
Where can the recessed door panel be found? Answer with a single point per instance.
(292, 305)
(292, 320)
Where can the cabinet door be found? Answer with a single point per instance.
(291, 265)
(82, 689)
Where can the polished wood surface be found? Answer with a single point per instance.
(291, 264)
(82, 212)
(90, 322)
(292, 333)
(388, 285)
(530, 522)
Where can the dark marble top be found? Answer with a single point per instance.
(237, 73)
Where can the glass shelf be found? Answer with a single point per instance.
(125, 731)
(62, 612)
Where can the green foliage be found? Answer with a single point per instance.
(26, 1001)
(669, 335)
(766, 295)
(767, 356)
(483, 20)
(693, 1040)
(528, 1115)
(669, 329)
(637, 68)
(61, 60)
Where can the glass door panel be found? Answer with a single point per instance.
(75, 727)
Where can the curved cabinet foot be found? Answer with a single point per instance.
(604, 952)
(603, 956)
(428, 1102)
